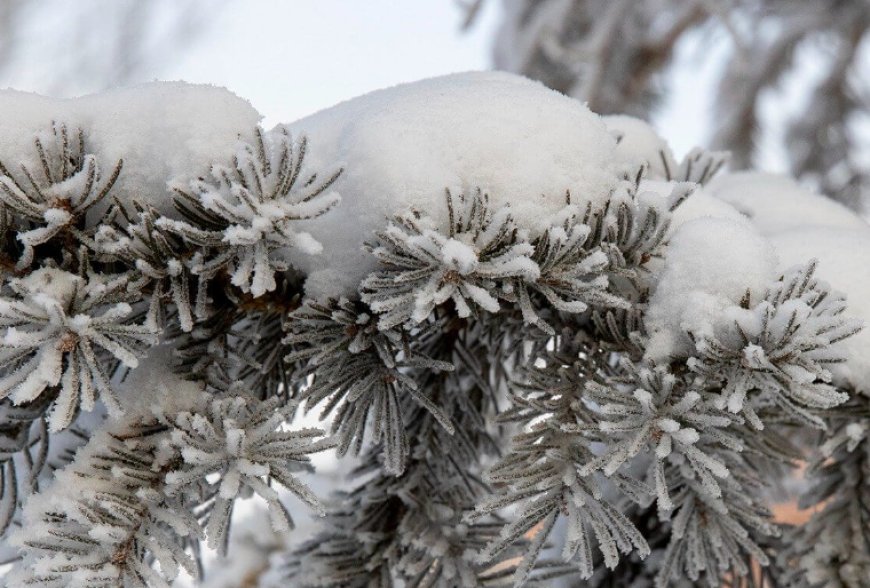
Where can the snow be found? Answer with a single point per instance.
(741, 232)
(51, 287)
(843, 255)
(776, 203)
(709, 266)
(640, 143)
(162, 130)
(458, 254)
(801, 226)
(153, 387)
(252, 541)
(518, 141)
(699, 205)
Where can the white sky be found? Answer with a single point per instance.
(293, 58)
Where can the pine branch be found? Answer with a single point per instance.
(409, 529)
(778, 350)
(57, 192)
(833, 547)
(586, 258)
(363, 373)
(470, 263)
(126, 510)
(106, 520)
(65, 331)
(160, 259)
(243, 219)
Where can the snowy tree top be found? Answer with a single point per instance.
(516, 140)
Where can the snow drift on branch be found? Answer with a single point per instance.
(514, 139)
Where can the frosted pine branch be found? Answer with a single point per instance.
(246, 447)
(160, 260)
(712, 537)
(57, 191)
(778, 350)
(595, 365)
(584, 258)
(245, 216)
(594, 431)
(699, 166)
(833, 548)
(135, 500)
(653, 412)
(106, 521)
(361, 373)
(573, 270)
(468, 264)
(64, 331)
(544, 475)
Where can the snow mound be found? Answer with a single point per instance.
(640, 143)
(709, 266)
(801, 226)
(162, 131)
(776, 203)
(514, 139)
(844, 262)
(699, 205)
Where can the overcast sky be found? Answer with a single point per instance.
(291, 58)
(294, 58)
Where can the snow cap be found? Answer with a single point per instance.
(162, 130)
(513, 138)
(710, 265)
(775, 202)
(640, 143)
(844, 263)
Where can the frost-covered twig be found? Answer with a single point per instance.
(57, 192)
(778, 350)
(68, 332)
(245, 217)
(135, 500)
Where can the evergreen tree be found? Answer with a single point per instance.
(502, 389)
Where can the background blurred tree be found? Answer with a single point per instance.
(615, 55)
(70, 48)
